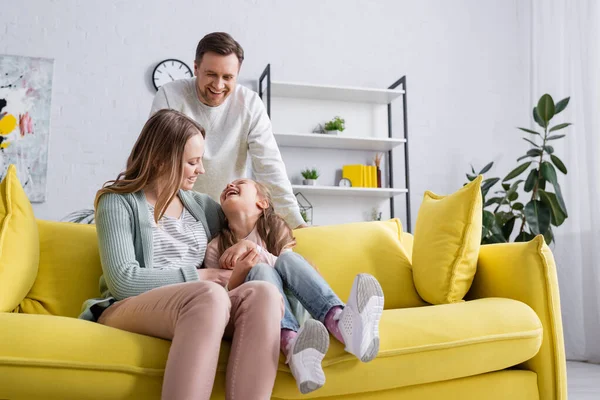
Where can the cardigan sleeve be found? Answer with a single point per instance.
(124, 275)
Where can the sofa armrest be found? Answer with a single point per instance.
(527, 272)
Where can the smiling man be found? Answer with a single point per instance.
(236, 123)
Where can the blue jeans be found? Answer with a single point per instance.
(293, 273)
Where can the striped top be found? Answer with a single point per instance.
(177, 242)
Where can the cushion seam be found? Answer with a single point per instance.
(447, 345)
(35, 362)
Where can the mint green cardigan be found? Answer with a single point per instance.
(124, 229)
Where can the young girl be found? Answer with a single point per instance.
(152, 234)
(256, 244)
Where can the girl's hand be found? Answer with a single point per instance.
(243, 265)
(232, 254)
(220, 276)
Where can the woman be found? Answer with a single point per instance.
(152, 235)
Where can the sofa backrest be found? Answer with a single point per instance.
(70, 267)
(378, 248)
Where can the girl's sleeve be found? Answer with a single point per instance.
(211, 258)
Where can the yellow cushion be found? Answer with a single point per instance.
(342, 251)
(70, 358)
(19, 242)
(446, 244)
(430, 344)
(69, 270)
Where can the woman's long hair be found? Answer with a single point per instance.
(272, 229)
(157, 154)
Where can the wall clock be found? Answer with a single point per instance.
(168, 71)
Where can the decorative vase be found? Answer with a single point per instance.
(378, 177)
(309, 182)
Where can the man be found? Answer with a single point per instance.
(236, 123)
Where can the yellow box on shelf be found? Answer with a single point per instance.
(355, 174)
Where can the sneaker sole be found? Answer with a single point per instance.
(314, 336)
(369, 297)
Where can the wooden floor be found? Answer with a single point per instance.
(583, 381)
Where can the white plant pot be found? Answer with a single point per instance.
(309, 182)
(332, 132)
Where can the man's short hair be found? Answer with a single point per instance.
(221, 43)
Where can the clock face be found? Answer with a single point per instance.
(345, 182)
(168, 71)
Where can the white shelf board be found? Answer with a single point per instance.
(324, 141)
(348, 191)
(336, 93)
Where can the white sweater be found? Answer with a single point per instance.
(237, 128)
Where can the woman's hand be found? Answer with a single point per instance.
(232, 254)
(242, 266)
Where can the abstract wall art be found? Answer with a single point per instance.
(25, 101)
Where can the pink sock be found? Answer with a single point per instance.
(286, 338)
(332, 323)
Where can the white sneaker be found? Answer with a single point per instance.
(307, 352)
(359, 320)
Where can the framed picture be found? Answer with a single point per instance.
(25, 101)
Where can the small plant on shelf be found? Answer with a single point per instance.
(310, 176)
(335, 125)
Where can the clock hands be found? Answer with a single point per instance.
(170, 76)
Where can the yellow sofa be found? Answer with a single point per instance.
(504, 342)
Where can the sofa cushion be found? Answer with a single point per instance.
(341, 251)
(446, 244)
(69, 270)
(418, 346)
(430, 344)
(19, 242)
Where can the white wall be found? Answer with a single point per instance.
(467, 64)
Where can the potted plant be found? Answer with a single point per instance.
(335, 126)
(310, 176)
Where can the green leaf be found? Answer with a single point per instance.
(549, 173)
(531, 180)
(513, 196)
(530, 131)
(549, 149)
(471, 177)
(486, 168)
(546, 108)
(559, 164)
(559, 127)
(554, 137)
(523, 157)
(472, 169)
(487, 219)
(506, 186)
(537, 118)
(561, 105)
(541, 183)
(534, 153)
(493, 200)
(518, 206)
(524, 237)
(532, 142)
(517, 171)
(508, 228)
(558, 217)
(538, 216)
(488, 183)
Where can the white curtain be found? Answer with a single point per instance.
(565, 61)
